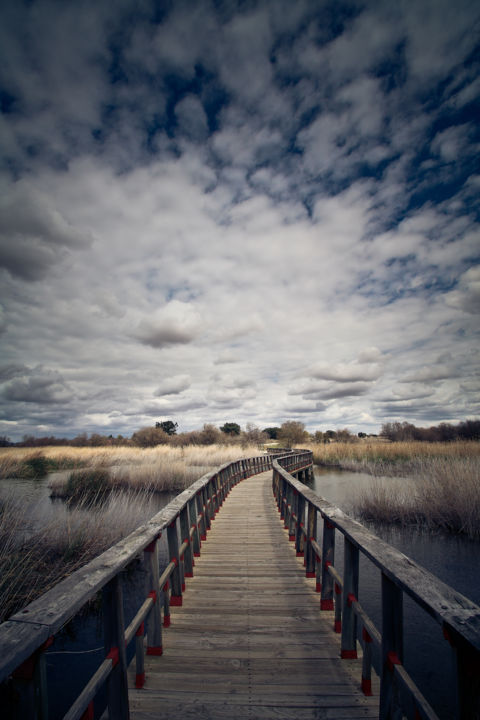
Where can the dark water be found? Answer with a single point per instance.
(78, 648)
(452, 558)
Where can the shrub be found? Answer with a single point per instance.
(88, 487)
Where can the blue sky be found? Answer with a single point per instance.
(238, 211)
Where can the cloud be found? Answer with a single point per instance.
(173, 385)
(175, 324)
(215, 209)
(33, 233)
(43, 387)
(467, 295)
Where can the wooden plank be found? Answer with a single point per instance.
(249, 640)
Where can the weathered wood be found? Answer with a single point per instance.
(114, 641)
(249, 633)
(442, 602)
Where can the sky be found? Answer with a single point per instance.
(238, 211)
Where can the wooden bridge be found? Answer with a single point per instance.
(249, 618)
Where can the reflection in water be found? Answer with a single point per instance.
(451, 558)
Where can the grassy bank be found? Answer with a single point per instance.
(160, 468)
(439, 486)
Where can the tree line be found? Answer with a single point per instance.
(288, 434)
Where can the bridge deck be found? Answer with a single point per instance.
(249, 641)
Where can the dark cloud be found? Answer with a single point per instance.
(43, 387)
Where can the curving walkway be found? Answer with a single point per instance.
(249, 641)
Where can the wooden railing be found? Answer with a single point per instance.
(25, 637)
(459, 617)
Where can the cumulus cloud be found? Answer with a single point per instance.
(173, 385)
(41, 386)
(175, 324)
(33, 232)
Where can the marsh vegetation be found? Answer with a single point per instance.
(432, 485)
(108, 492)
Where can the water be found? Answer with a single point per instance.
(78, 648)
(453, 559)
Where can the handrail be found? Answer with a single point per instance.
(25, 636)
(459, 617)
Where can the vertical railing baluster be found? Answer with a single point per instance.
(114, 641)
(392, 643)
(328, 558)
(154, 620)
(176, 576)
(350, 595)
(311, 535)
(185, 536)
(192, 508)
(300, 537)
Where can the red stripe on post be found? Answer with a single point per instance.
(351, 599)
(113, 656)
(318, 586)
(196, 554)
(348, 655)
(310, 574)
(88, 714)
(176, 600)
(291, 538)
(367, 687)
(326, 604)
(188, 575)
(392, 659)
(300, 553)
(139, 681)
(337, 626)
(153, 595)
(155, 650)
(166, 621)
(141, 630)
(366, 637)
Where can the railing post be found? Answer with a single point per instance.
(114, 641)
(350, 595)
(311, 535)
(293, 514)
(202, 524)
(328, 558)
(192, 507)
(154, 621)
(30, 683)
(392, 643)
(185, 535)
(176, 576)
(466, 662)
(300, 537)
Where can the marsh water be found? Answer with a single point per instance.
(452, 558)
(78, 649)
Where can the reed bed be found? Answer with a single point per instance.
(108, 492)
(17, 462)
(400, 459)
(36, 553)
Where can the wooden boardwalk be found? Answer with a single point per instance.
(249, 641)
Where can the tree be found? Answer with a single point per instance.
(253, 435)
(231, 428)
(150, 437)
(167, 426)
(272, 432)
(292, 432)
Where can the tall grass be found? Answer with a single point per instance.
(16, 462)
(392, 459)
(36, 553)
(109, 494)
